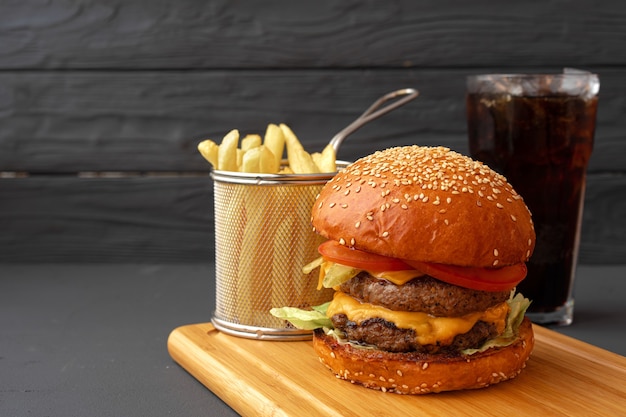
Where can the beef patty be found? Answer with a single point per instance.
(386, 336)
(423, 294)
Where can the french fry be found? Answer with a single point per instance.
(253, 285)
(259, 160)
(250, 160)
(239, 159)
(299, 160)
(250, 141)
(283, 291)
(275, 141)
(268, 163)
(304, 240)
(291, 140)
(208, 149)
(317, 159)
(328, 160)
(227, 152)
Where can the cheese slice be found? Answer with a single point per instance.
(428, 329)
(397, 277)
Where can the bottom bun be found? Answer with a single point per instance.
(419, 373)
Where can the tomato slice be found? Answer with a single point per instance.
(483, 279)
(335, 252)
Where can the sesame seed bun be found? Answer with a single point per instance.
(414, 373)
(426, 204)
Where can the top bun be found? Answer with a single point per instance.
(426, 204)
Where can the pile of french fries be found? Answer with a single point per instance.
(265, 155)
(276, 240)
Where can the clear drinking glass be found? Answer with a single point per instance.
(538, 131)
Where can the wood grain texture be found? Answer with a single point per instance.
(152, 121)
(37, 34)
(133, 86)
(170, 219)
(140, 219)
(258, 378)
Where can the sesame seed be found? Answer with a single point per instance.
(495, 262)
(399, 372)
(425, 365)
(331, 205)
(347, 192)
(495, 252)
(344, 205)
(499, 205)
(342, 241)
(448, 200)
(357, 224)
(369, 217)
(358, 189)
(404, 206)
(352, 242)
(513, 218)
(446, 222)
(385, 234)
(332, 355)
(478, 203)
(425, 199)
(530, 242)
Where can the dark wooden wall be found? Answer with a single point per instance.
(102, 104)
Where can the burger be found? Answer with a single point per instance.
(425, 249)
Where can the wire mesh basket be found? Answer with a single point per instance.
(263, 238)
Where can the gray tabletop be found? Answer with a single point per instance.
(91, 340)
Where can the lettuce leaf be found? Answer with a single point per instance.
(518, 304)
(316, 319)
(304, 319)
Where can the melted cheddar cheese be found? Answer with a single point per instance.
(428, 329)
(397, 277)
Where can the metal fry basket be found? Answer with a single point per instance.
(263, 238)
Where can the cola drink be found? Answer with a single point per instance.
(540, 139)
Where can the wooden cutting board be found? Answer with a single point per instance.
(564, 377)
